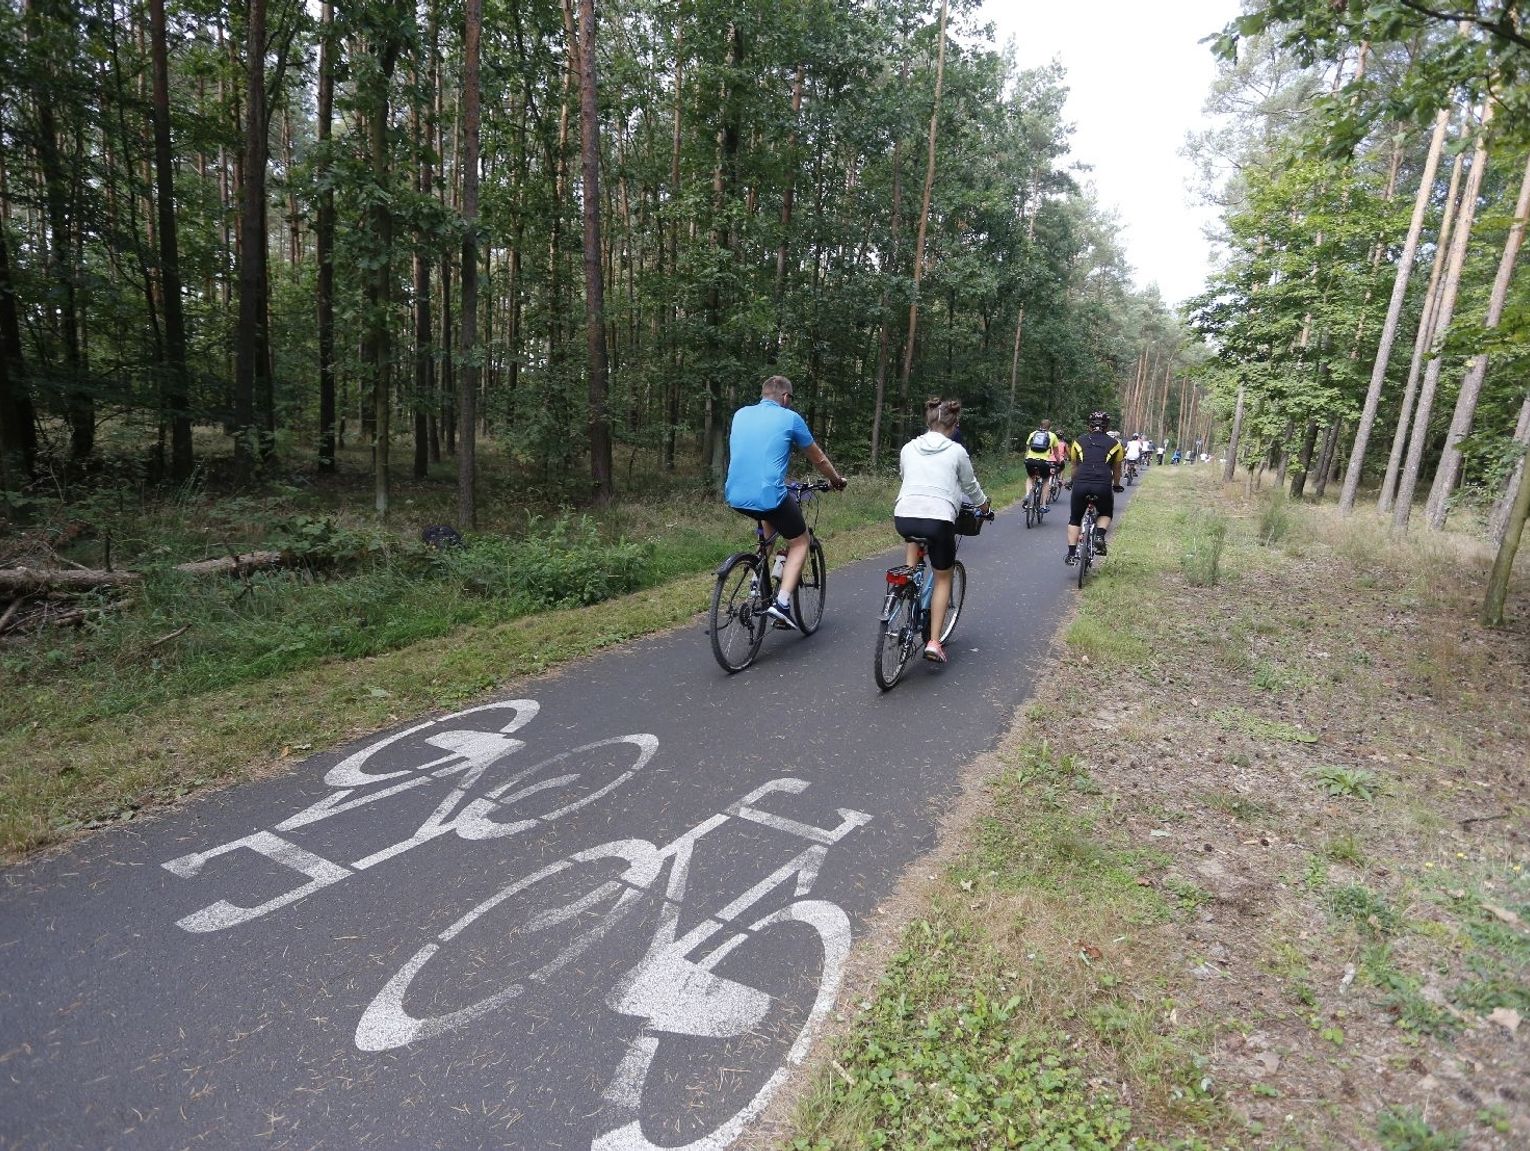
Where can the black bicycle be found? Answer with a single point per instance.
(746, 586)
(1086, 540)
(904, 625)
(1036, 502)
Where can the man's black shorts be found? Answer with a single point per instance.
(1042, 468)
(1104, 501)
(939, 537)
(785, 518)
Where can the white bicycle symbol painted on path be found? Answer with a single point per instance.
(695, 989)
(460, 749)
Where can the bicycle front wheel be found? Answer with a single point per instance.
(958, 594)
(896, 637)
(807, 600)
(736, 623)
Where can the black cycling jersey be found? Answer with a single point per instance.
(1092, 454)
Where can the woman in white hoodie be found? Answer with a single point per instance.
(937, 477)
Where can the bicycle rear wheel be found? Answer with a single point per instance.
(737, 619)
(897, 636)
(807, 600)
(1032, 499)
(958, 594)
(1085, 549)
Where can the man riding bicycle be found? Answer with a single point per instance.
(1133, 453)
(1040, 452)
(760, 446)
(1096, 474)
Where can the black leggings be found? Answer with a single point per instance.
(1104, 502)
(939, 537)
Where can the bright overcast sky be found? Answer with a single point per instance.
(1137, 76)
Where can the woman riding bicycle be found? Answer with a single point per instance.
(937, 476)
(1096, 476)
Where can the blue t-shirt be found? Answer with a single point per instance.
(760, 445)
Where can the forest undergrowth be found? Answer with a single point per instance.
(1250, 871)
(184, 683)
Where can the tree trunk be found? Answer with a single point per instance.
(324, 240)
(1422, 339)
(1014, 356)
(249, 361)
(424, 352)
(1471, 386)
(467, 411)
(1394, 313)
(1458, 248)
(380, 278)
(788, 194)
(1498, 521)
(1304, 463)
(594, 281)
(1503, 564)
(1230, 468)
(175, 398)
(924, 219)
(884, 343)
(80, 406)
(724, 186)
(1325, 462)
(18, 420)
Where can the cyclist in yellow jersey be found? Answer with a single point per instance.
(1096, 460)
(1040, 449)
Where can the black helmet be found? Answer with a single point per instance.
(1098, 421)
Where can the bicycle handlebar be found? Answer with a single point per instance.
(809, 486)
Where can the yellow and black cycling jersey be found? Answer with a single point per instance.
(1093, 454)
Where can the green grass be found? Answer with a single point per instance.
(1257, 727)
(941, 1061)
(1201, 559)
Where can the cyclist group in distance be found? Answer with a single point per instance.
(937, 479)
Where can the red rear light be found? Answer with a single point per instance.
(898, 577)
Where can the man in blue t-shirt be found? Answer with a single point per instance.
(760, 446)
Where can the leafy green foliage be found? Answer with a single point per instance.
(1355, 782)
(1400, 1129)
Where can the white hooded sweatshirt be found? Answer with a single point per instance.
(937, 475)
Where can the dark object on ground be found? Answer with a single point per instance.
(441, 536)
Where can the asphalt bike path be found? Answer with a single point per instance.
(607, 912)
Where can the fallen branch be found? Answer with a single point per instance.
(20, 581)
(10, 613)
(1467, 822)
(167, 638)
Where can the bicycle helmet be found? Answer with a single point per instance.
(1098, 421)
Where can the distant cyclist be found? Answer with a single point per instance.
(760, 446)
(1133, 453)
(1096, 459)
(937, 477)
(1060, 456)
(1040, 449)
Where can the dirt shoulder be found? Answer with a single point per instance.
(1249, 871)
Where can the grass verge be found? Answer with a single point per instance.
(1245, 874)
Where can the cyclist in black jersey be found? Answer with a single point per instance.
(1096, 460)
